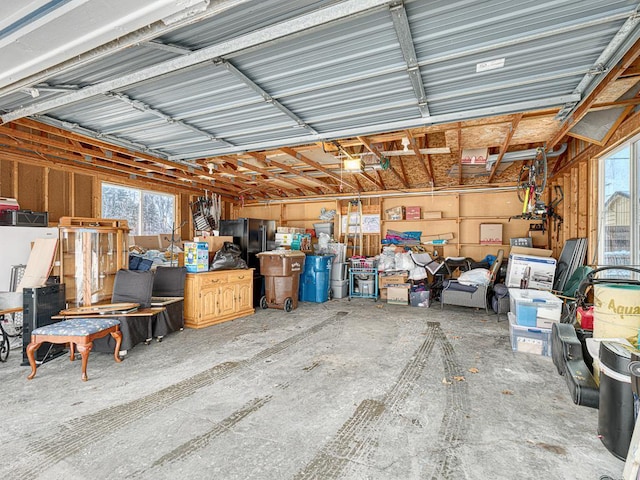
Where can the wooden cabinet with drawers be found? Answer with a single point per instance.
(215, 297)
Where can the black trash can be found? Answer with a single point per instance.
(616, 413)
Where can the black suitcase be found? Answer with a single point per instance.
(582, 386)
(565, 345)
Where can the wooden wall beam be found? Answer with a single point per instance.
(583, 199)
(88, 170)
(573, 221)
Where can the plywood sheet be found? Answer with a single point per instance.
(83, 197)
(616, 89)
(59, 195)
(40, 263)
(533, 130)
(6, 179)
(31, 187)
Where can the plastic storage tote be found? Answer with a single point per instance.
(529, 339)
(281, 270)
(314, 284)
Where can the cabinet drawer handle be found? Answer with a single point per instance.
(240, 277)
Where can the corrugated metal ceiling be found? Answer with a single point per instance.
(343, 77)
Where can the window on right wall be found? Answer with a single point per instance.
(618, 212)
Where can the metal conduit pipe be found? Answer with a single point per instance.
(523, 155)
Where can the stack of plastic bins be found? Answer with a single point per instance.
(314, 284)
(340, 280)
(281, 270)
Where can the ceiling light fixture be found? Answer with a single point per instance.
(406, 142)
(211, 166)
(353, 165)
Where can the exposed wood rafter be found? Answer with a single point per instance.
(365, 141)
(416, 149)
(263, 158)
(505, 145)
(298, 156)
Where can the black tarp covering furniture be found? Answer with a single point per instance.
(168, 291)
(136, 287)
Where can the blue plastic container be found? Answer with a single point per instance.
(314, 281)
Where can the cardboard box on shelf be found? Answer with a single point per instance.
(383, 294)
(398, 294)
(412, 213)
(490, 234)
(395, 213)
(397, 277)
(431, 215)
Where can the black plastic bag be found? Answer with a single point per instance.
(228, 258)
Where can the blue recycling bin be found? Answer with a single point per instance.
(314, 281)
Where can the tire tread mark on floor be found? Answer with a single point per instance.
(445, 460)
(201, 441)
(356, 439)
(80, 432)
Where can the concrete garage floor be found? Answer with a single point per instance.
(351, 390)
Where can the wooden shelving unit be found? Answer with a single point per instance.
(462, 215)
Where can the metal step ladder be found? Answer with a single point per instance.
(352, 236)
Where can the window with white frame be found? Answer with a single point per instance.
(619, 225)
(147, 212)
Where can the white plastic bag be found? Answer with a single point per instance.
(418, 273)
(404, 261)
(323, 241)
(477, 276)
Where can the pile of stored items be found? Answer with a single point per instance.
(588, 320)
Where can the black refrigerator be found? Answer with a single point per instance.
(253, 236)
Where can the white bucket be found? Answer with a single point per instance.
(366, 287)
(616, 312)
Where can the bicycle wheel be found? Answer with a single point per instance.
(4, 347)
(540, 169)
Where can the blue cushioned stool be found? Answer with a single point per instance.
(80, 332)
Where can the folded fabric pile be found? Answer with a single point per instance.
(394, 237)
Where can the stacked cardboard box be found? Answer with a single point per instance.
(390, 279)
